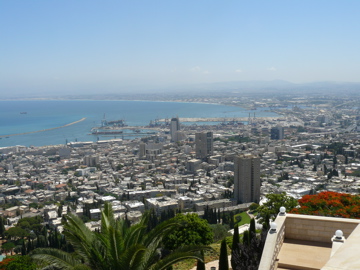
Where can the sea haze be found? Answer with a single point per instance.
(27, 116)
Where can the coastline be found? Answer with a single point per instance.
(135, 100)
(193, 110)
(242, 106)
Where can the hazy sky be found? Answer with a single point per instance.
(73, 46)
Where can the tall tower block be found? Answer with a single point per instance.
(204, 144)
(247, 179)
(174, 126)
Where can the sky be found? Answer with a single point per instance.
(109, 46)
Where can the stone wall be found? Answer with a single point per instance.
(316, 228)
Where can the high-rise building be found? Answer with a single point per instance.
(142, 150)
(204, 144)
(91, 160)
(174, 127)
(247, 178)
(277, 133)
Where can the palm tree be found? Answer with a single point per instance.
(118, 246)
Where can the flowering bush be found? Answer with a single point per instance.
(331, 204)
(5, 262)
(18, 262)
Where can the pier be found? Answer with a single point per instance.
(30, 132)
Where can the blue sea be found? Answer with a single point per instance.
(26, 116)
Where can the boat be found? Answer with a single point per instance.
(108, 132)
(117, 123)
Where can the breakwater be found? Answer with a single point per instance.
(42, 130)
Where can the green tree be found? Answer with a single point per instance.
(223, 259)
(31, 224)
(117, 246)
(253, 206)
(16, 232)
(220, 231)
(196, 232)
(274, 202)
(8, 247)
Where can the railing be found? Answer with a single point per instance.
(274, 241)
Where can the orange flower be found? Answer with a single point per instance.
(330, 203)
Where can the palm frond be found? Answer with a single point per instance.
(131, 258)
(84, 241)
(55, 257)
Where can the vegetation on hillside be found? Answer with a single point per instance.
(118, 245)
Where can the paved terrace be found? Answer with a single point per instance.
(300, 254)
(305, 242)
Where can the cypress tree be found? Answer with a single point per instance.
(201, 264)
(213, 216)
(59, 211)
(206, 213)
(224, 218)
(252, 225)
(266, 225)
(2, 227)
(56, 239)
(38, 243)
(23, 248)
(252, 229)
(246, 238)
(223, 260)
(231, 222)
(236, 240)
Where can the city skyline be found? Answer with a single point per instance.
(88, 47)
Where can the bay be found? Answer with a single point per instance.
(29, 116)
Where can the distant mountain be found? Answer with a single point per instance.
(193, 90)
(275, 86)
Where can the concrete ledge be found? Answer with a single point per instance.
(347, 256)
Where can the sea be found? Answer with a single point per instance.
(17, 117)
